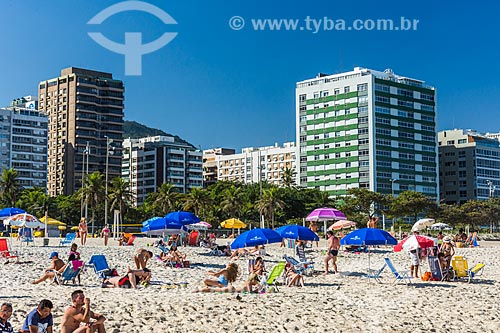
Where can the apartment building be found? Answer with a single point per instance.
(84, 108)
(469, 166)
(152, 161)
(367, 129)
(210, 170)
(253, 165)
(23, 141)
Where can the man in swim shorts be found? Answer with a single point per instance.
(332, 251)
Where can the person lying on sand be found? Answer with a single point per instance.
(78, 317)
(56, 267)
(130, 280)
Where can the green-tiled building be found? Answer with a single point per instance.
(367, 129)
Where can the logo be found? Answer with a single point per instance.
(133, 49)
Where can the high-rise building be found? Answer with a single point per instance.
(367, 129)
(23, 141)
(157, 160)
(253, 165)
(85, 108)
(469, 166)
(210, 164)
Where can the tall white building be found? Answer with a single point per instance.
(367, 129)
(253, 165)
(152, 161)
(23, 141)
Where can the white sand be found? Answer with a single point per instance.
(343, 302)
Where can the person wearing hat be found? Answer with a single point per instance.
(447, 250)
(56, 267)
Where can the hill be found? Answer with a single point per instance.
(135, 130)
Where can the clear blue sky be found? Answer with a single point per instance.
(215, 87)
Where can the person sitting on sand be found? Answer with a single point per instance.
(130, 280)
(224, 276)
(40, 319)
(5, 314)
(56, 267)
(256, 270)
(123, 240)
(293, 278)
(173, 256)
(141, 258)
(78, 317)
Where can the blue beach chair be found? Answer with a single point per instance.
(377, 274)
(68, 240)
(398, 276)
(100, 265)
(70, 273)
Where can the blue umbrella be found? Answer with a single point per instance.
(6, 212)
(148, 221)
(368, 236)
(297, 232)
(255, 237)
(183, 218)
(162, 226)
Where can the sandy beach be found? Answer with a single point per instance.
(345, 302)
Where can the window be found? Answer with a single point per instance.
(302, 98)
(405, 103)
(363, 87)
(382, 99)
(380, 109)
(346, 90)
(404, 92)
(427, 97)
(336, 91)
(381, 87)
(462, 141)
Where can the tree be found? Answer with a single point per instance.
(9, 187)
(288, 177)
(233, 201)
(34, 200)
(93, 192)
(410, 203)
(120, 195)
(198, 199)
(166, 199)
(270, 201)
(362, 204)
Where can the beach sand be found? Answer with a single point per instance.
(345, 302)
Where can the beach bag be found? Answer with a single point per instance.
(426, 276)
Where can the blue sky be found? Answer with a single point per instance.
(215, 86)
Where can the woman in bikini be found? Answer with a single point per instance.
(141, 258)
(224, 276)
(130, 280)
(447, 249)
(82, 229)
(105, 234)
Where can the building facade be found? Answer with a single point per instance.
(210, 164)
(253, 165)
(23, 142)
(367, 129)
(152, 161)
(85, 109)
(469, 166)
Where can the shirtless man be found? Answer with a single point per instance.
(141, 258)
(56, 267)
(78, 314)
(332, 252)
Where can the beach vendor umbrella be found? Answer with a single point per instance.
(148, 221)
(422, 224)
(297, 232)
(23, 221)
(51, 221)
(199, 226)
(256, 237)
(181, 217)
(162, 227)
(440, 226)
(368, 236)
(325, 214)
(415, 242)
(7, 212)
(342, 224)
(233, 223)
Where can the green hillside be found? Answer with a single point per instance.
(134, 130)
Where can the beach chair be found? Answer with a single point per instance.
(70, 273)
(68, 239)
(100, 265)
(308, 264)
(461, 268)
(403, 276)
(435, 267)
(376, 274)
(5, 253)
(297, 265)
(274, 275)
(475, 271)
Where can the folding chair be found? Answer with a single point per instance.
(100, 265)
(4, 251)
(68, 239)
(398, 276)
(377, 274)
(308, 265)
(274, 275)
(475, 271)
(461, 268)
(297, 265)
(71, 272)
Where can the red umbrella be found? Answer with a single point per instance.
(414, 242)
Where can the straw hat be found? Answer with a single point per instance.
(447, 239)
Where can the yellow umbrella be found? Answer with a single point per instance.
(233, 224)
(52, 221)
(74, 228)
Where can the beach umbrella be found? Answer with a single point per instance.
(256, 237)
(148, 221)
(325, 214)
(415, 242)
(342, 224)
(297, 232)
(199, 226)
(422, 224)
(181, 217)
(7, 212)
(162, 227)
(23, 221)
(440, 226)
(51, 221)
(233, 223)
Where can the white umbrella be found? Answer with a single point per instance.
(440, 226)
(23, 221)
(422, 224)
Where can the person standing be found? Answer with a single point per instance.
(40, 319)
(332, 251)
(82, 229)
(78, 317)
(314, 228)
(105, 234)
(141, 258)
(5, 314)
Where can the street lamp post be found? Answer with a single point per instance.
(85, 171)
(108, 146)
(392, 186)
(492, 188)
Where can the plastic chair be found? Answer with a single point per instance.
(274, 275)
(68, 239)
(377, 274)
(461, 268)
(475, 271)
(71, 272)
(100, 265)
(4, 250)
(398, 276)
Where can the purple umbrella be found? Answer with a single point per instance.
(326, 214)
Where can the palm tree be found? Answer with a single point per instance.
(233, 200)
(288, 177)
(9, 187)
(198, 199)
(167, 198)
(120, 195)
(270, 201)
(34, 200)
(93, 192)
